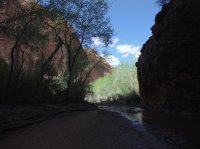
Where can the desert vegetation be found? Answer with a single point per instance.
(119, 87)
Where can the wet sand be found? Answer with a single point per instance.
(80, 130)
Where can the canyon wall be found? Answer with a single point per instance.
(100, 66)
(169, 65)
(36, 56)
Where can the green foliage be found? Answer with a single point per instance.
(60, 82)
(121, 83)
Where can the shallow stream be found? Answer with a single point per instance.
(177, 130)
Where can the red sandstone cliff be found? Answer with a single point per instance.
(12, 7)
(100, 65)
(169, 66)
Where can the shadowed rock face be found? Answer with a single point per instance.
(169, 66)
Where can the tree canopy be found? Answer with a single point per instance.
(76, 23)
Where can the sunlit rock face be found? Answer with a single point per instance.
(12, 7)
(26, 2)
(9, 7)
(100, 66)
(169, 65)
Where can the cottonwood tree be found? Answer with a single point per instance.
(75, 23)
(24, 27)
(30, 32)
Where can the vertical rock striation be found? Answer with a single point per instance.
(169, 65)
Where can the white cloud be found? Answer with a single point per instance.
(112, 60)
(114, 42)
(137, 55)
(128, 49)
(125, 55)
(97, 41)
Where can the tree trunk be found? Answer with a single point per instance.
(48, 61)
(13, 58)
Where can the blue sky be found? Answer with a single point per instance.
(131, 20)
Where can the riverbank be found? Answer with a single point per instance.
(95, 129)
(17, 116)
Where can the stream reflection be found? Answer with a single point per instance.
(177, 130)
